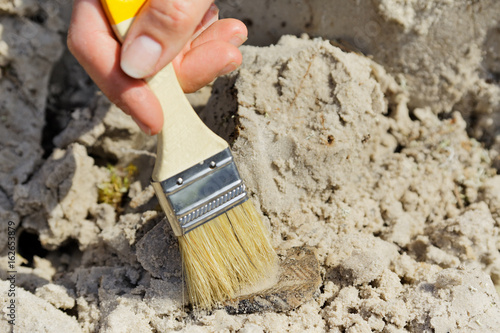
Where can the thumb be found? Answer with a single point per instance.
(159, 33)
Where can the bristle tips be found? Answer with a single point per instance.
(226, 254)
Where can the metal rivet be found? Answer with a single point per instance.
(213, 165)
(180, 181)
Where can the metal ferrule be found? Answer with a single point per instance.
(201, 193)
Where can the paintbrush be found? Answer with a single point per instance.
(223, 243)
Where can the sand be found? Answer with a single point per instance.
(368, 131)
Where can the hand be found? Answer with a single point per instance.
(184, 32)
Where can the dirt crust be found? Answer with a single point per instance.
(374, 145)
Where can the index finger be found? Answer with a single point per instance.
(92, 42)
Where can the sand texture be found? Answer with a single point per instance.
(367, 133)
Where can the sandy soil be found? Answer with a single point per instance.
(366, 130)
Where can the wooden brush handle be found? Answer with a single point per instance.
(184, 140)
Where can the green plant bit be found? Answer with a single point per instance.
(112, 191)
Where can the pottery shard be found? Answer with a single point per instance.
(298, 282)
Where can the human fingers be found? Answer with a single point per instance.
(93, 44)
(228, 30)
(214, 53)
(159, 33)
(204, 63)
(211, 16)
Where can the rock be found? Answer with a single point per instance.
(28, 52)
(56, 201)
(158, 253)
(399, 35)
(9, 218)
(489, 194)
(470, 237)
(122, 237)
(165, 296)
(108, 132)
(21, 8)
(460, 300)
(56, 295)
(34, 314)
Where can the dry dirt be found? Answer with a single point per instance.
(368, 131)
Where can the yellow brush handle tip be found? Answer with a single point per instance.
(121, 13)
(118, 11)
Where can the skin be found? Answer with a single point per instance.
(200, 47)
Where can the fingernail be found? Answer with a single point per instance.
(238, 39)
(211, 16)
(143, 127)
(229, 68)
(139, 58)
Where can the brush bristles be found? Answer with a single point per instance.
(225, 254)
